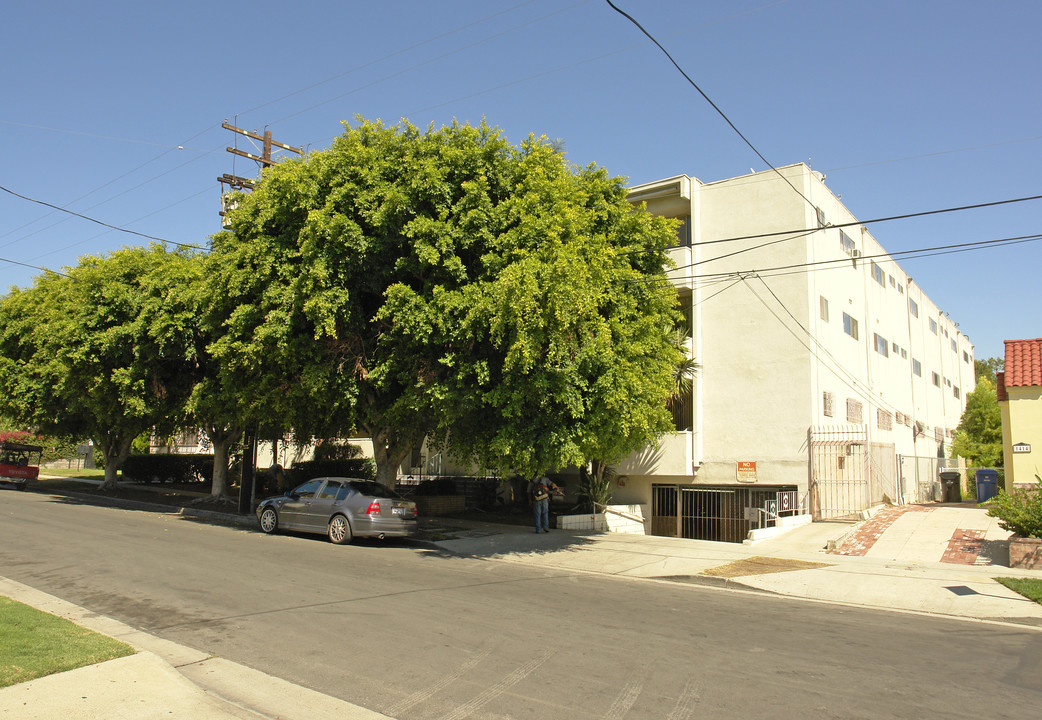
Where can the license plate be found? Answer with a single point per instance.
(398, 511)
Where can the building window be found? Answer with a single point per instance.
(854, 411)
(904, 354)
(824, 308)
(893, 283)
(850, 326)
(684, 231)
(913, 307)
(847, 243)
(827, 403)
(917, 368)
(821, 217)
(899, 416)
(895, 347)
(938, 435)
(965, 357)
(956, 392)
(877, 273)
(884, 420)
(933, 326)
(882, 346)
(955, 346)
(936, 380)
(900, 288)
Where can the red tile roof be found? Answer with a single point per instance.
(1023, 362)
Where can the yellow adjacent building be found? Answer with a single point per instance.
(1020, 398)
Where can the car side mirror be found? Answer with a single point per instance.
(292, 495)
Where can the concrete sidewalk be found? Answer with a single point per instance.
(939, 560)
(162, 680)
(911, 558)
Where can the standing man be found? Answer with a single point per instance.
(539, 490)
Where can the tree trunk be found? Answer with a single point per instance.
(116, 451)
(389, 451)
(222, 439)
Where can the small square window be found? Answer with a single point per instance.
(824, 308)
(850, 326)
(893, 283)
(936, 380)
(933, 326)
(847, 243)
(956, 392)
(827, 403)
(882, 346)
(917, 368)
(904, 354)
(878, 275)
(913, 307)
(854, 411)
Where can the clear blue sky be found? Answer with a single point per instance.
(906, 105)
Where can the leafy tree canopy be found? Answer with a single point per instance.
(988, 368)
(446, 283)
(979, 435)
(99, 352)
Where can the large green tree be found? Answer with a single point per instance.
(979, 435)
(446, 283)
(101, 351)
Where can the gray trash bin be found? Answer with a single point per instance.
(951, 489)
(987, 484)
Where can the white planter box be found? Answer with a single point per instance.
(606, 522)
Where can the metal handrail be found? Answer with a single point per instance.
(628, 516)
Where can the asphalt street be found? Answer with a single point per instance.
(415, 633)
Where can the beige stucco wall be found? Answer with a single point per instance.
(1022, 423)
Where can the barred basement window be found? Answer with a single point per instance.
(884, 420)
(854, 411)
(900, 418)
(827, 397)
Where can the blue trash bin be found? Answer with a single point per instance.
(987, 484)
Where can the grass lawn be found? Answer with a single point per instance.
(90, 474)
(1028, 587)
(34, 644)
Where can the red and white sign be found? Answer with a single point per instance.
(747, 471)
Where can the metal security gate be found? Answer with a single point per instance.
(723, 514)
(849, 474)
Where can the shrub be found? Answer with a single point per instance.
(436, 486)
(1020, 511)
(355, 467)
(168, 468)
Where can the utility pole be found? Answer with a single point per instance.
(247, 481)
(234, 182)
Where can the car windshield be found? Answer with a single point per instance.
(372, 488)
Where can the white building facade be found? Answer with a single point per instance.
(828, 380)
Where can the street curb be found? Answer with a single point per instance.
(243, 521)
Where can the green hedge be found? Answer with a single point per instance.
(168, 468)
(355, 467)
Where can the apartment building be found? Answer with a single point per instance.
(829, 380)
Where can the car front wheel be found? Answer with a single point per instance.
(339, 530)
(269, 520)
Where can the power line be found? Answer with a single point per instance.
(708, 100)
(99, 222)
(34, 267)
(806, 231)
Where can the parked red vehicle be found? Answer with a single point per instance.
(19, 463)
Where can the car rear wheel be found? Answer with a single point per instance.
(269, 520)
(340, 530)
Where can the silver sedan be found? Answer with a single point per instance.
(342, 508)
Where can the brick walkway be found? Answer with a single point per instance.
(866, 536)
(964, 547)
